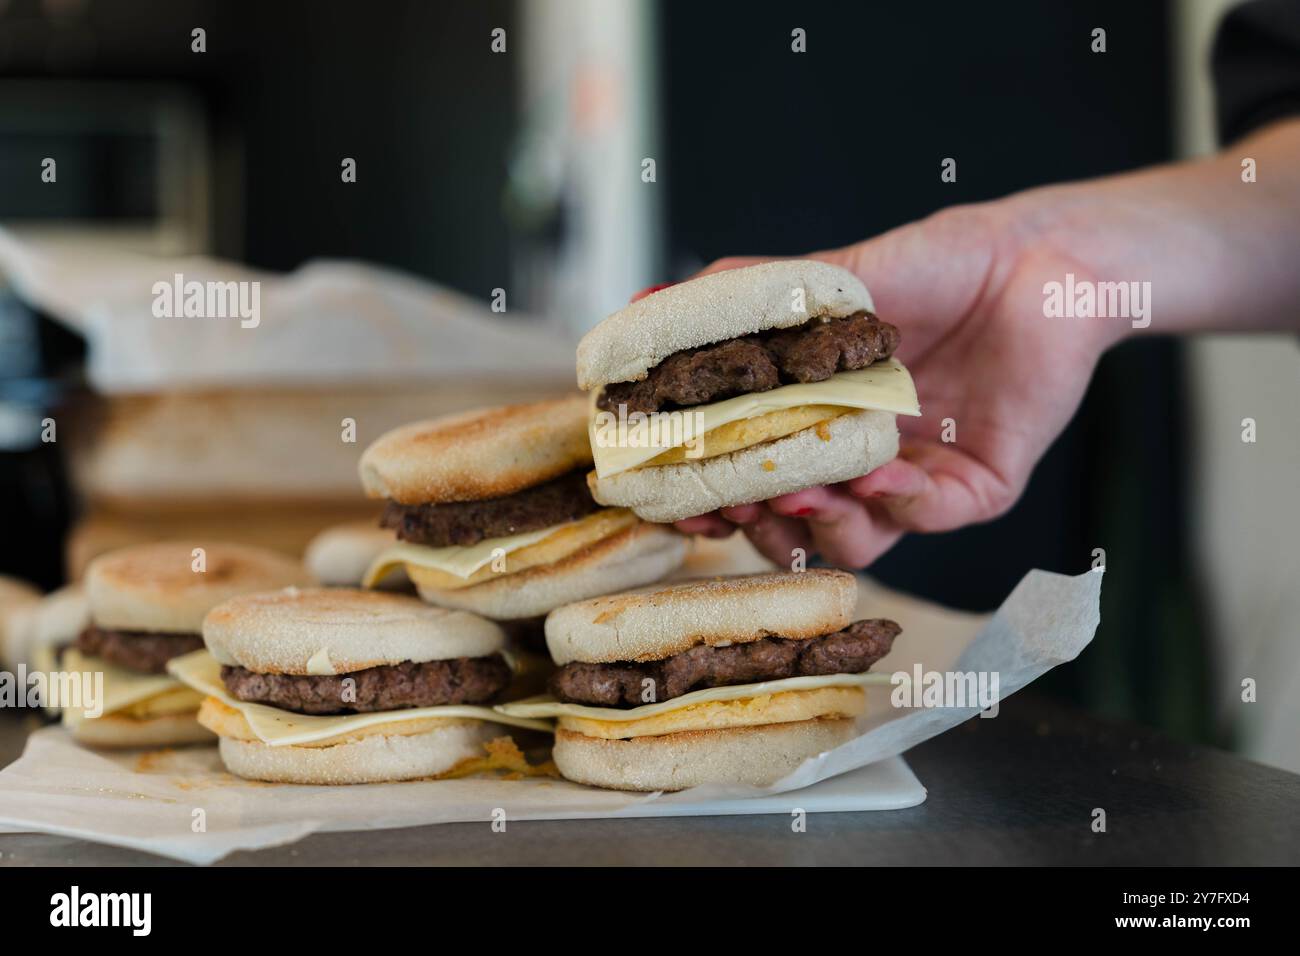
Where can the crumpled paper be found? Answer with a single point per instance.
(329, 321)
(156, 801)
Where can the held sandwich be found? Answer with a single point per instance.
(740, 386)
(720, 680)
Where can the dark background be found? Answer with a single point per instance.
(764, 152)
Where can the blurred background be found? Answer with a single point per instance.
(518, 175)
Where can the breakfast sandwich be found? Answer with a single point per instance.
(494, 514)
(341, 686)
(740, 386)
(146, 605)
(733, 680)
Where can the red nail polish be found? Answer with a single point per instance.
(651, 290)
(876, 494)
(802, 512)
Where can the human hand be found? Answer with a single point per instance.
(965, 287)
(994, 375)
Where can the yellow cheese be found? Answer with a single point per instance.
(754, 431)
(546, 706)
(782, 708)
(459, 561)
(179, 700)
(283, 728)
(454, 567)
(227, 722)
(885, 386)
(126, 691)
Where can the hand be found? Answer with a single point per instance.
(965, 287)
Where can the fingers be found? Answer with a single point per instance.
(930, 488)
(649, 290)
(734, 262)
(935, 488)
(844, 530)
(897, 479)
(773, 535)
(709, 525)
(742, 514)
(777, 537)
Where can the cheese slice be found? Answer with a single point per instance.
(547, 706)
(464, 562)
(782, 708)
(754, 431)
(453, 559)
(127, 690)
(442, 567)
(179, 700)
(885, 386)
(283, 728)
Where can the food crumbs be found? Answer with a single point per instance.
(823, 431)
(769, 465)
(501, 754)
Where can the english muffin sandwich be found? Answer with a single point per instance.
(721, 680)
(17, 601)
(146, 606)
(494, 513)
(740, 386)
(335, 686)
(53, 627)
(341, 555)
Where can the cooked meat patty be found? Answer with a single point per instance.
(811, 352)
(144, 651)
(562, 499)
(464, 680)
(849, 651)
(815, 351)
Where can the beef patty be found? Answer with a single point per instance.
(144, 651)
(463, 680)
(849, 651)
(811, 352)
(562, 499)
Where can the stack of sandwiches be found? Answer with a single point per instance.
(494, 516)
(544, 520)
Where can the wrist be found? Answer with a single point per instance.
(1050, 235)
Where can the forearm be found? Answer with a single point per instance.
(1220, 254)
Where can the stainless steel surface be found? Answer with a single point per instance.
(1017, 789)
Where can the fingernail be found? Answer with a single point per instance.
(651, 290)
(802, 512)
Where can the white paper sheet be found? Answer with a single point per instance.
(329, 321)
(149, 801)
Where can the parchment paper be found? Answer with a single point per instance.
(149, 801)
(328, 322)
